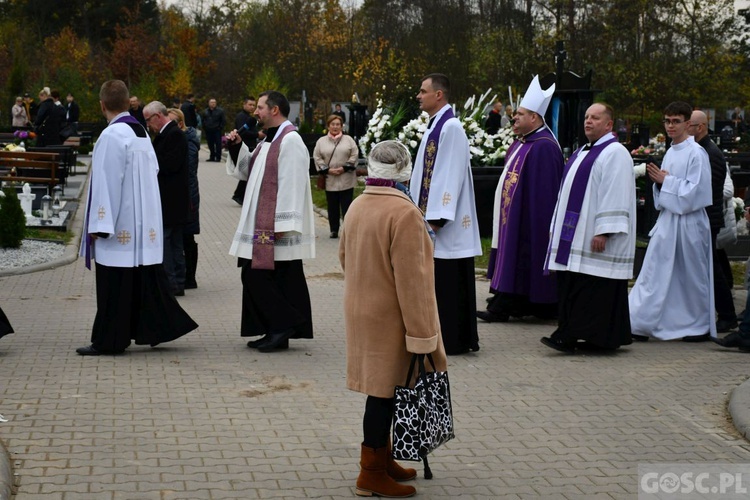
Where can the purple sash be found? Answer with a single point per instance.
(89, 240)
(264, 235)
(430, 153)
(575, 198)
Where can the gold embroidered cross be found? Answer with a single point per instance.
(263, 237)
(466, 221)
(152, 235)
(431, 148)
(446, 198)
(102, 212)
(123, 237)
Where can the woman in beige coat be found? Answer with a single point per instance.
(389, 307)
(335, 156)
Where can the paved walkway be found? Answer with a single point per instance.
(205, 417)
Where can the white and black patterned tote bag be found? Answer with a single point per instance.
(423, 417)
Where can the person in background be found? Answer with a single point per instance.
(72, 111)
(136, 110)
(335, 156)
(48, 120)
(18, 112)
(193, 226)
(188, 110)
(247, 126)
(507, 120)
(214, 121)
(338, 112)
(494, 118)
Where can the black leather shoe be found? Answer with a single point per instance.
(639, 338)
(491, 317)
(179, 292)
(334, 235)
(734, 339)
(559, 344)
(90, 351)
(725, 325)
(237, 200)
(254, 344)
(276, 340)
(697, 338)
(191, 285)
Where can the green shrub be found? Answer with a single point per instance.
(12, 220)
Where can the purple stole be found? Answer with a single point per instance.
(575, 197)
(264, 235)
(89, 240)
(430, 153)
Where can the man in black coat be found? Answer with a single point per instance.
(188, 109)
(247, 126)
(171, 149)
(49, 118)
(726, 317)
(214, 121)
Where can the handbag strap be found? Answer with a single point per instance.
(418, 359)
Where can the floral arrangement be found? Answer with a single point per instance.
(739, 209)
(642, 151)
(486, 149)
(23, 138)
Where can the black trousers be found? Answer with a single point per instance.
(275, 299)
(593, 309)
(338, 203)
(722, 284)
(457, 304)
(135, 303)
(376, 424)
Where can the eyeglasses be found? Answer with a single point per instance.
(667, 121)
(149, 118)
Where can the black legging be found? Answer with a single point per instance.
(338, 203)
(376, 423)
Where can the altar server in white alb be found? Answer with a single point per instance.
(276, 229)
(442, 187)
(674, 297)
(123, 234)
(592, 243)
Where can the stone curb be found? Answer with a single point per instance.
(739, 408)
(6, 473)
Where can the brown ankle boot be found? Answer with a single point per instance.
(373, 479)
(395, 471)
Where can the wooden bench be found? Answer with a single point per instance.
(68, 159)
(31, 167)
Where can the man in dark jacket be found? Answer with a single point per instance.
(247, 126)
(171, 150)
(726, 316)
(188, 109)
(214, 121)
(49, 118)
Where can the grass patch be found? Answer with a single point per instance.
(49, 234)
(319, 195)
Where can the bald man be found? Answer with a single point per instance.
(726, 315)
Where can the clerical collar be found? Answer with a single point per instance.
(271, 133)
(533, 132)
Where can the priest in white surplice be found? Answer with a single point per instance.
(276, 229)
(592, 243)
(442, 186)
(673, 297)
(123, 234)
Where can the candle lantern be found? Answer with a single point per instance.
(46, 207)
(56, 203)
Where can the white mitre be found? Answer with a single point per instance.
(535, 99)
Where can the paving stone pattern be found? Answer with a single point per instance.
(205, 417)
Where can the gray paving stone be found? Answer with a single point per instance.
(206, 417)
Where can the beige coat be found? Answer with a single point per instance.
(390, 308)
(346, 152)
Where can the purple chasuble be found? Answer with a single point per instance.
(89, 240)
(430, 153)
(575, 197)
(527, 203)
(264, 235)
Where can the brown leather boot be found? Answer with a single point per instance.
(395, 471)
(373, 479)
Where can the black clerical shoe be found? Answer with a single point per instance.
(334, 235)
(254, 344)
(734, 339)
(191, 285)
(237, 200)
(491, 317)
(697, 338)
(89, 350)
(639, 338)
(725, 325)
(180, 292)
(558, 344)
(278, 339)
